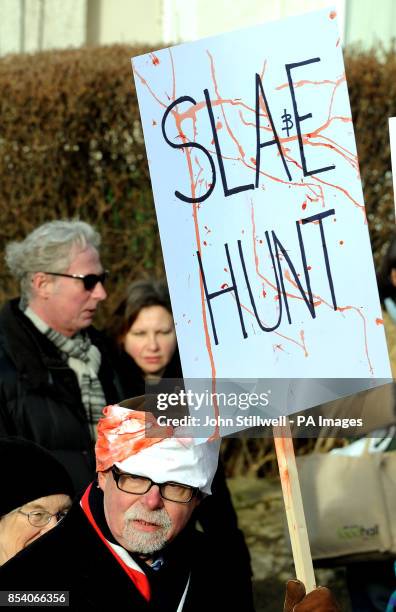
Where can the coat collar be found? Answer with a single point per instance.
(32, 353)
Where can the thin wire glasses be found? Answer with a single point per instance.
(89, 280)
(41, 518)
(139, 485)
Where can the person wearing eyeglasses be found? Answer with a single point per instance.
(36, 494)
(55, 375)
(143, 329)
(129, 544)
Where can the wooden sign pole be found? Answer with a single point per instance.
(294, 506)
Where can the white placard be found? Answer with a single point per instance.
(259, 203)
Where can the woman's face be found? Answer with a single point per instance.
(16, 532)
(151, 340)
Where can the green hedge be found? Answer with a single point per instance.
(371, 80)
(71, 144)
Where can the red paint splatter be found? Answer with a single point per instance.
(309, 267)
(225, 270)
(219, 125)
(302, 336)
(307, 141)
(224, 286)
(304, 205)
(253, 160)
(379, 321)
(205, 243)
(154, 59)
(333, 15)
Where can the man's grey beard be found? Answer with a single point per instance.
(141, 541)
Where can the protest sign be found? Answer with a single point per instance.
(259, 203)
(262, 222)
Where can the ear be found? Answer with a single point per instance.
(102, 479)
(42, 285)
(393, 277)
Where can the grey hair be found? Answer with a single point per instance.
(51, 247)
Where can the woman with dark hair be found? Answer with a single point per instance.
(144, 332)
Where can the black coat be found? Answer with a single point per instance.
(72, 557)
(40, 398)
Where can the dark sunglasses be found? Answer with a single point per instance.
(89, 280)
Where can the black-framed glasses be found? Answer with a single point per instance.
(89, 280)
(41, 518)
(139, 485)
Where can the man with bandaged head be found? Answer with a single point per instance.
(129, 543)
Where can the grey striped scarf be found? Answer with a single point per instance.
(84, 359)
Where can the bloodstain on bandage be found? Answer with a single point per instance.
(122, 432)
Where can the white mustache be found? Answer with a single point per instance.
(157, 517)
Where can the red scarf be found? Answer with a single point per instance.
(138, 578)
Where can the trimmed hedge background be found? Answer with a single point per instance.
(71, 144)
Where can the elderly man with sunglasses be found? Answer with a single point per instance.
(54, 375)
(128, 544)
